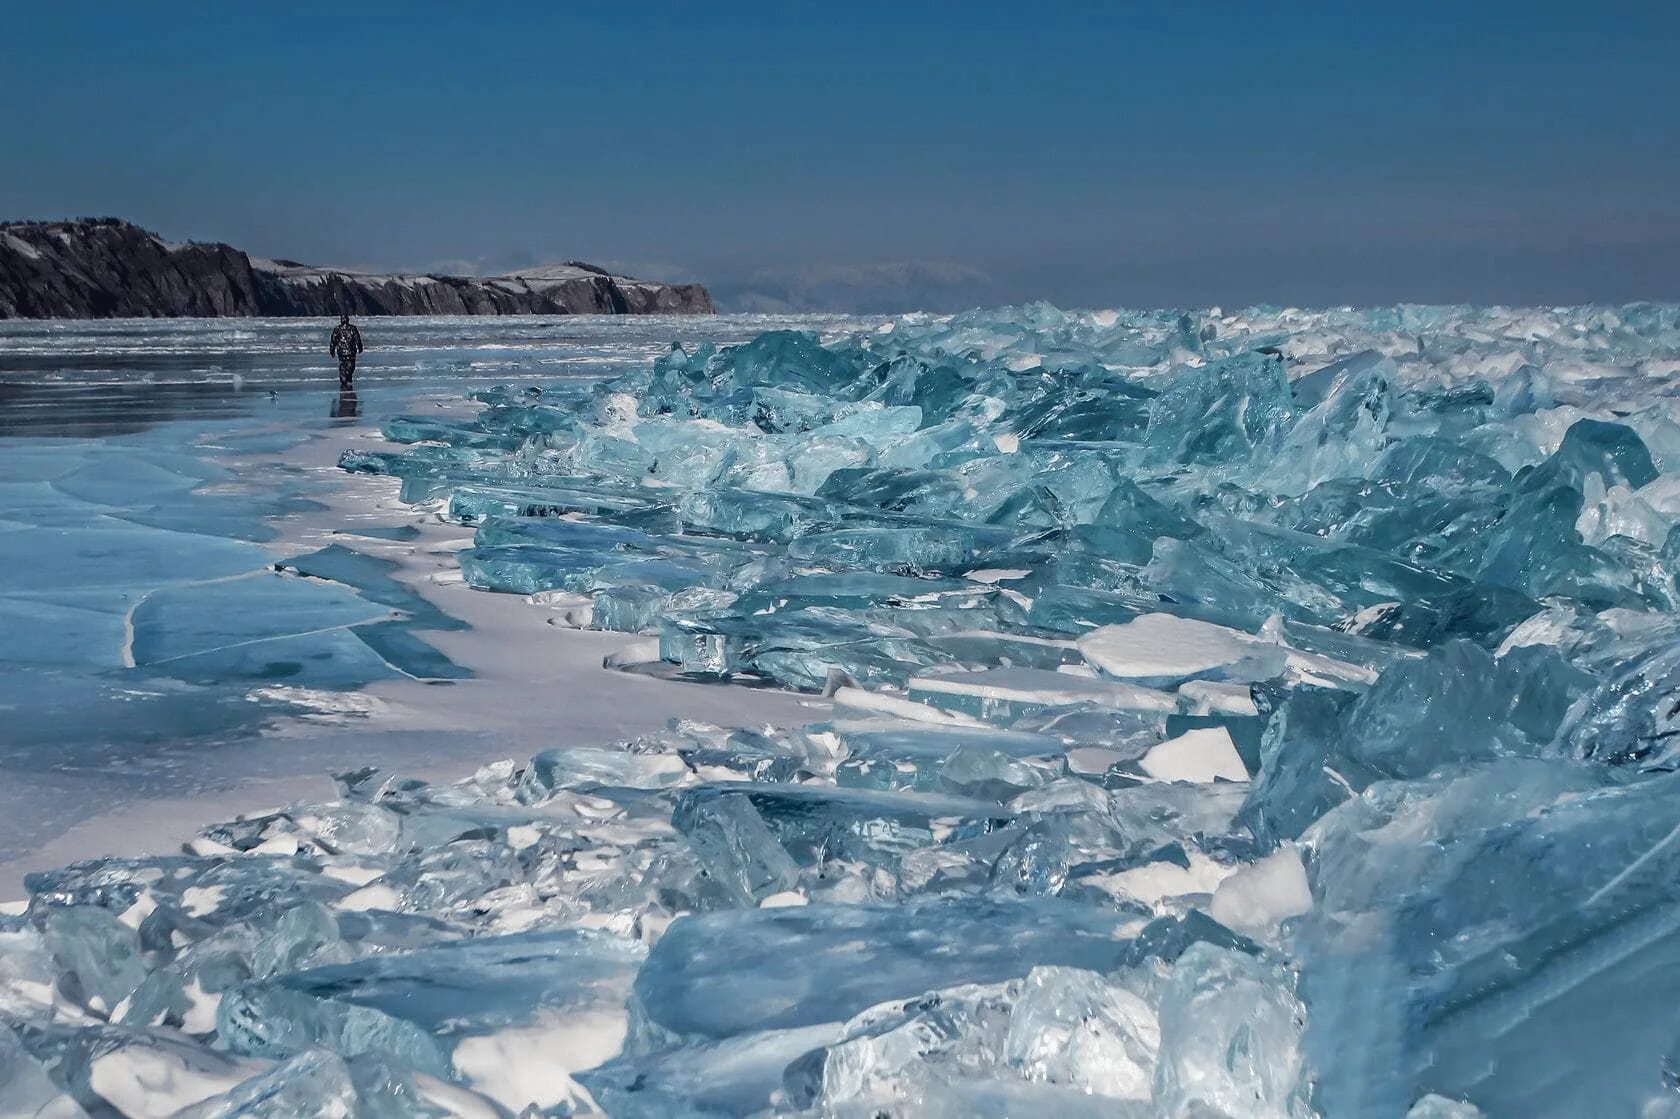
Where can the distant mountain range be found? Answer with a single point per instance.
(100, 268)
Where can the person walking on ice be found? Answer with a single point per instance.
(346, 344)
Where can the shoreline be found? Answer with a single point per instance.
(534, 687)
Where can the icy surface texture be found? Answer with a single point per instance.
(1257, 715)
(704, 921)
(943, 494)
(139, 605)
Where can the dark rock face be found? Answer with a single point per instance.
(104, 268)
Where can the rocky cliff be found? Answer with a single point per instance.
(105, 268)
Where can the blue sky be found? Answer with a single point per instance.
(1091, 154)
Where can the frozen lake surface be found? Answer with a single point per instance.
(1268, 713)
(152, 476)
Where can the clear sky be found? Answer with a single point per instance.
(1091, 154)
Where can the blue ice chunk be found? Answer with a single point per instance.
(500, 426)
(1504, 934)
(860, 589)
(414, 1008)
(741, 1075)
(1632, 717)
(73, 1057)
(760, 834)
(914, 548)
(1525, 390)
(99, 956)
(1434, 601)
(703, 979)
(1312, 389)
(1459, 704)
(26, 1087)
(982, 646)
(1536, 548)
(749, 514)
(1050, 854)
(549, 496)
(213, 963)
(1229, 409)
(1344, 428)
(1612, 451)
(806, 649)
(1420, 522)
(736, 845)
(422, 462)
(747, 755)
(1097, 406)
(606, 543)
(1298, 780)
(629, 608)
(910, 756)
(1060, 1039)
(1439, 464)
(854, 492)
(313, 1083)
(527, 569)
(1231, 1038)
(1073, 610)
(590, 770)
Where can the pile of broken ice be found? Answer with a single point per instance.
(1234, 715)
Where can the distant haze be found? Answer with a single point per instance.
(874, 157)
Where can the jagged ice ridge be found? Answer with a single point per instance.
(1264, 714)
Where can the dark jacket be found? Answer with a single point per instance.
(346, 341)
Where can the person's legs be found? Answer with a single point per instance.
(346, 371)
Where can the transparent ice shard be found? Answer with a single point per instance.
(322, 1083)
(437, 1010)
(27, 1089)
(98, 955)
(883, 754)
(1230, 1038)
(913, 548)
(1345, 423)
(1630, 716)
(741, 1075)
(1522, 901)
(1459, 704)
(1058, 1034)
(1230, 409)
(702, 979)
(759, 837)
